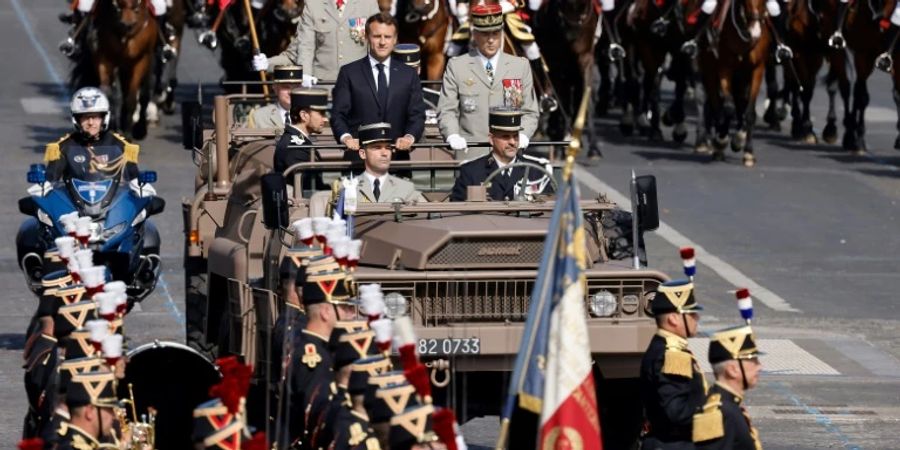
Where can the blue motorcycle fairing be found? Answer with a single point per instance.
(92, 191)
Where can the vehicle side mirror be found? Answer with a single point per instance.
(191, 125)
(156, 206)
(274, 201)
(647, 207)
(27, 206)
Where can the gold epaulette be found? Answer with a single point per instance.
(678, 363)
(52, 152)
(709, 423)
(131, 150)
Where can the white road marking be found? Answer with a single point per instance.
(781, 357)
(728, 272)
(42, 105)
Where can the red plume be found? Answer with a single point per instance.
(235, 382)
(417, 376)
(408, 358)
(687, 252)
(31, 444)
(257, 442)
(443, 423)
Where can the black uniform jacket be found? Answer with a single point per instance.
(75, 156)
(311, 363)
(672, 390)
(474, 172)
(725, 423)
(74, 438)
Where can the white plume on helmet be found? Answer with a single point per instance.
(89, 100)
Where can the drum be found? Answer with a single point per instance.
(172, 379)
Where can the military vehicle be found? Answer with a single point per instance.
(463, 271)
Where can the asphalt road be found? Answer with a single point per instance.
(811, 229)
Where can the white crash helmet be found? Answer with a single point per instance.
(89, 100)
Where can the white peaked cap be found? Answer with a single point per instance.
(99, 329)
(403, 331)
(303, 228)
(112, 346)
(354, 247)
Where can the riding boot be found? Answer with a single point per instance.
(168, 35)
(69, 46)
(542, 79)
(689, 47)
(779, 27)
(885, 60)
(836, 41)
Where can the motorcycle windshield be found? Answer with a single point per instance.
(92, 192)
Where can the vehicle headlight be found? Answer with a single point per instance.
(140, 218)
(630, 303)
(395, 305)
(44, 218)
(112, 231)
(603, 304)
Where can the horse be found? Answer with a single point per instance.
(426, 23)
(732, 71)
(863, 34)
(167, 71)
(564, 30)
(126, 43)
(805, 35)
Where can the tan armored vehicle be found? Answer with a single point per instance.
(463, 271)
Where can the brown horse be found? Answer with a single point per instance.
(805, 35)
(426, 23)
(126, 42)
(732, 71)
(167, 72)
(864, 38)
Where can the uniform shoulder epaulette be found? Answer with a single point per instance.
(678, 363)
(536, 159)
(709, 424)
(131, 150)
(372, 444)
(52, 151)
(39, 352)
(80, 443)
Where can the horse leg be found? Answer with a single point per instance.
(675, 113)
(771, 115)
(750, 114)
(896, 90)
(861, 101)
(651, 101)
(134, 84)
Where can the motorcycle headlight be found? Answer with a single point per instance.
(140, 218)
(112, 231)
(603, 304)
(395, 305)
(44, 218)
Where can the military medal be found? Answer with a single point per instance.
(512, 93)
(357, 29)
(469, 103)
(311, 357)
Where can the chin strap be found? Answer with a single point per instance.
(743, 375)
(687, 331)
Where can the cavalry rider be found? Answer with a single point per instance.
(91, 152)
(779, 27)
(82, 9)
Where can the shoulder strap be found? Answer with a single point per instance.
(131, 150)
(52, 151)
(710, 423)
(678, 363)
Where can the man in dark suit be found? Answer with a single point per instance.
(505, 126)
(378, 88)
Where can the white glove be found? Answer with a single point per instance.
(457, 142)
(523, 140)
(146, 190)
(462, 12)
(260, 62)
(309, 81)
(506, 7)
(37, 189)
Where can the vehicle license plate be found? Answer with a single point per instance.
(450, 346)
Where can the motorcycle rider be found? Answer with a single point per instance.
(91, 152)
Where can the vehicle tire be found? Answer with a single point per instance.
(195, 307)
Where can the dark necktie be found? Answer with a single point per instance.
(376, 189)
(382, 87)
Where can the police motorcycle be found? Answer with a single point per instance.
(107, 216)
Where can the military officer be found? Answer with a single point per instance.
(483, 79)
(506, 126)
(91, 400)
(284, 80)
(331, 33)
(376, 184)
(672, 385)
(91, 152)
(307, 114)
(411, 55)
(724, 422)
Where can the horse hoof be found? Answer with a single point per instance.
(679, 136)
(719, 143)
(739, 141)
(139, 131)
(643, 121)
(749, 160)
(702, 148)
(830, 134)
(810, 139)
(667, 119)
(718, 155)
(782, 112)
(849, 142)
(796, 130)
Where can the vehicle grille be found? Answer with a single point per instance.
(488, 253)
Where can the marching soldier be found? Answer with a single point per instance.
(330, 34)
(91, 399)
(376, 184)
(672, 385)
(724, 422)
(284, 80)
(504, 136)
(484, 79)
(307, 117)
(91, 152)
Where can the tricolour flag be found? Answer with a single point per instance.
(552, 376)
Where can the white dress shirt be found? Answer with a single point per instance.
(502, 165)
(493, 59)
(387, 69)
(370, 178)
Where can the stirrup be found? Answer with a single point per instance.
(67, 46)
(548, 103)
(689, 48)
(616, 52)
(659, 27)
(884, 62)
(783, 53)
(168, 53)
(837, 41)
(208, 39)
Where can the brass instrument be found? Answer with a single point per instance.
(143, 431)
